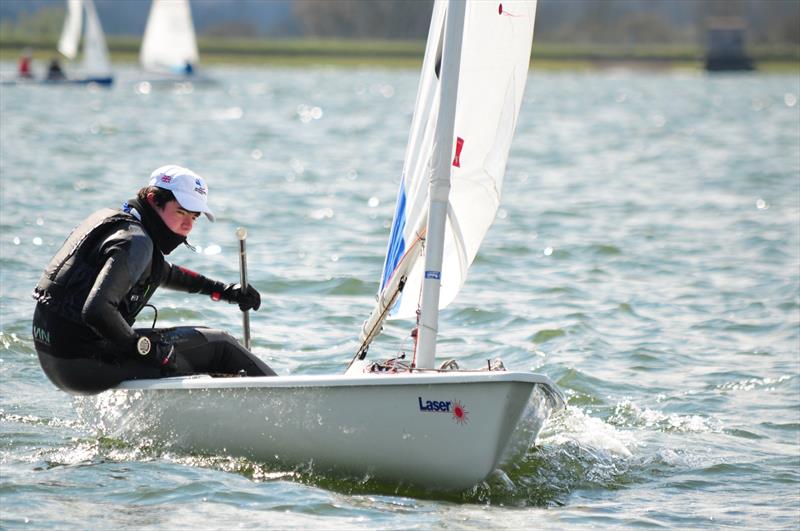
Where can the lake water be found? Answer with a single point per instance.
(646, 257)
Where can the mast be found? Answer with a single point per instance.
(440, 184)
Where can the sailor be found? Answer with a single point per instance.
(54, 72)
(24, 65)
(106, 272)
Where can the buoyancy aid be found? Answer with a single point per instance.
(69, 277)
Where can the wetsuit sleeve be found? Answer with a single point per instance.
(128, 256)
(182, 279)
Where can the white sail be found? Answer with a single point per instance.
(96, 61)
(169, 42)
(71, 34)
(495, 55)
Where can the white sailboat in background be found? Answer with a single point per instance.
(403, 422)
(169, 46)
(96, 65)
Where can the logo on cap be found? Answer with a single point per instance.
(200, 189)
(166, 179)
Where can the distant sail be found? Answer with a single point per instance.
(96, 61)
(95, 51)
(494, 69)
(71, 34)
(169, 42)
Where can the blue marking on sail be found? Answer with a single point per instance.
(397, 242)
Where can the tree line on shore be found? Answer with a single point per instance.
(568, 21)
(613, 22)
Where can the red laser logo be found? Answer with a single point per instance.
(454, 407)
(459, 412)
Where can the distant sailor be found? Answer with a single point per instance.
(24, 65)
(104, 275)
(54, 72)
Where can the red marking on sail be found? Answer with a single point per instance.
(501, 11)
(459, 145)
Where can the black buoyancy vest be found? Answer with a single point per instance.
(70, 275)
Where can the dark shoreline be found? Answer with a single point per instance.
(400, 54)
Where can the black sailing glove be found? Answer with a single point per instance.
(184, 279)
(249, 299)
(157, 353)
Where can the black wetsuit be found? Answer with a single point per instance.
(92, 291)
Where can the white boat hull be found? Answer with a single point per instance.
(444, 431)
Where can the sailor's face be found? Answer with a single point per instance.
(179, 220)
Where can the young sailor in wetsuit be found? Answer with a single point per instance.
(105, 273)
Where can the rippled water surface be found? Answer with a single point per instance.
(646, 257)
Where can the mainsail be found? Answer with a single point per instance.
(169, 42)
(95, 50)
(495, 54)
(71, 33)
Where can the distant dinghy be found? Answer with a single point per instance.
(169, 46)
(95, 67)
(404, 421)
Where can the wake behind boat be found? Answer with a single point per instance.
(395, 420)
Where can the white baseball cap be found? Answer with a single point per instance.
(188, 188)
